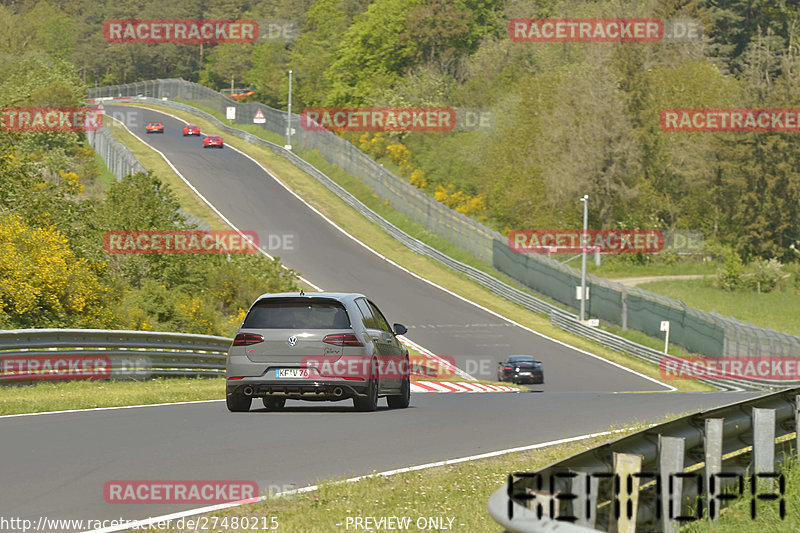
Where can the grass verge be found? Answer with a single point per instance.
(457, 492)
(356, 225)
(778, 310)
(88, 394)
(616, 267)
(739, 517)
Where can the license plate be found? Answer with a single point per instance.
(292, 373)
(524, 373)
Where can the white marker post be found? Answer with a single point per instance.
(665, 327)
(230, 114)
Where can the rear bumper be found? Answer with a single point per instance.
(302, 389)
(534, 380)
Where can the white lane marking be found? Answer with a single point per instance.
(491, 312)
(139, 524)
(107, 408)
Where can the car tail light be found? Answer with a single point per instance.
(507, 367)
(246, 339)
(342, 339)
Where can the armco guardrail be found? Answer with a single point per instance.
(119, 160)
(131, 354)
(566, 320)
(661, 477)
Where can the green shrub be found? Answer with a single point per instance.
(765, 275)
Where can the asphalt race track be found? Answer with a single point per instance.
(440, 322)
(56, 465)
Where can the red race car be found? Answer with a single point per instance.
(154, 127)
(212, 140)
(191, 129)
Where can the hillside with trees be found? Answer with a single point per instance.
(571, 118)
(56, 205)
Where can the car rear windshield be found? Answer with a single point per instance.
(297, 314)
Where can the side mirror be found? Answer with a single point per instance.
(400, 329)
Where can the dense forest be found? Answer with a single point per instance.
(571, 119)
(56, 206)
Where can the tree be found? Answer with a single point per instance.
(371, 56)
(326, 22)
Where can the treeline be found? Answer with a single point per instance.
(571, 118)
(56, 206)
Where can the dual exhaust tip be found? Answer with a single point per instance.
(337, 391)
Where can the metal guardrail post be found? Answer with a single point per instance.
(763, 449)
(627, 466)
(671, 452)
(797, 425)
(584, 487)
(713, 460)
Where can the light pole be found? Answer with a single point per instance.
(585, 201)
(289, 117)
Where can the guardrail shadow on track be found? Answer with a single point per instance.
(663, 476)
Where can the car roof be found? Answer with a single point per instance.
(520, 357)
(340, 296)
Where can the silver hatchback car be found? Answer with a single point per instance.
(318, 346)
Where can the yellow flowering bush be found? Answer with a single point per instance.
(41, 280)
(398, 153)
(460, 201)
(418, 179)
(72, 182)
